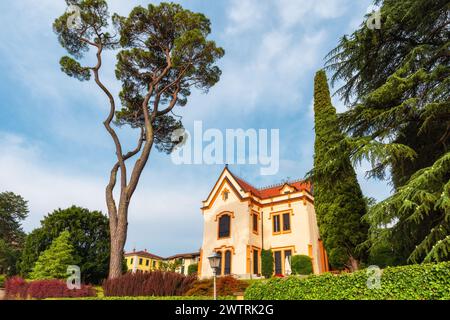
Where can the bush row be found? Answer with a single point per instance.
(18, 288)
(2, 280)
(414, 282)
(156, 283)
(185, 298)
(226, 286)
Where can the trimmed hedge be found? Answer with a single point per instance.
(414, 282)
(226, 286)
(156, 283)
(180, 298)
(18, 288)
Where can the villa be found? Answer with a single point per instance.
(145, 261)
(241, 220)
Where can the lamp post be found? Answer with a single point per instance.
(214, 261)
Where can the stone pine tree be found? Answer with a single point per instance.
(163, 53)
(53, 262)
(339, 202)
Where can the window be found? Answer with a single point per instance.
(147, 262)
(227, 264)
(280, 260)
(154, 264)
(225, 261)
(278, 263)
(224, 226)
(281, 222)
(140, 261)
(276, 224)
(219, 270)
(286, 222)
(288, 254)
(255, 261)
(255, 222)
(131, 261)
(225, 194)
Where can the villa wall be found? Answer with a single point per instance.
(302, 239)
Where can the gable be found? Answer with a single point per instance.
(226, 182)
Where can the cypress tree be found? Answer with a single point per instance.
(339, 201)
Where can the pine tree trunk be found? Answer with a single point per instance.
(118, 230)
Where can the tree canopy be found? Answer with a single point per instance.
(89, 237)
(396, 82)
(53, 262)
(13, 210)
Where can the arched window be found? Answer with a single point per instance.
(227, 264)
(219, 270)
(224, 226)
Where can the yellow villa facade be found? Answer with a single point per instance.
(145, 261)
(142, 261)
(240, 220)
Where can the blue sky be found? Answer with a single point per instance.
(56, 153)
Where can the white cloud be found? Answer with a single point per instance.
(244, 15)
(272, 73)
(293, 12)
(26, 170)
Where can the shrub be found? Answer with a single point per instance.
(267, 263)
(174, 298)
(57, 289)
(414, 282)
(156, 283)
(17, 288)
(226, 286)
(302, 264)
(201, 288)
(2, 281)
(193, 269)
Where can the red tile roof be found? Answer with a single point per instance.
(275, 190)
(144, 254)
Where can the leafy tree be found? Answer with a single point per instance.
(267, 263)
(164, 54)
(53, 262)
(13, 210)
(193, 269)
(170, 266)
(396, 82)
(9, 256)
(339, 202)
(301, 264)
(89, 237)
